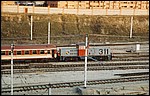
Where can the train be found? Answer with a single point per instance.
(51, 52)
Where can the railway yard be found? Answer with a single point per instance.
(126, 74)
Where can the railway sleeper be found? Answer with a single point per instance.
(71, 85)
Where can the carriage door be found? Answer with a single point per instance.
(54, 53)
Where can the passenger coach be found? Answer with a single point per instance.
(29, 52)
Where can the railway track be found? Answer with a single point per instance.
(79, 68)
(108, 44)
(120, 57)
(72, 84)
(71, 64)
(129, 56)
(115, 56)
(51, 64)
(113, 59)
(133, 74)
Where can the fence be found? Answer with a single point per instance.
(48, 10)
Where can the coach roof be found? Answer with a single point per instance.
(44, 46)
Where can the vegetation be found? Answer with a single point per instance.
(66, 28)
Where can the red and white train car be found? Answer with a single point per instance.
(28, 52)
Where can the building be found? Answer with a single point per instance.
(93, 4)
(52, 3)
(7, 2)
(100, 4)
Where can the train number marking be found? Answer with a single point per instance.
(103, 51)
(100, 51)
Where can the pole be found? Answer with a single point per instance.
(31, 26)
(49, 91)
(85, 70)
(131, 27)
(33, 8)
(48, 9)
(17, 8)
(48, 32)
(78, 8)
(92, 8)
(12, 48)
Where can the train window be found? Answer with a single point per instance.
(2, 52)
(26, 52)
(41, 51)
(34, 52)
(9, 52)
(48, 52)
(18, 52)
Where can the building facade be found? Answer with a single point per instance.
(93, 4)
(104, 4)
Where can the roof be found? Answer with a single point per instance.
(44, 46)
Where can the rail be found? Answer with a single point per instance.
(72, 84)
(78, 68)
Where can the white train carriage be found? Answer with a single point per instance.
(28, 52)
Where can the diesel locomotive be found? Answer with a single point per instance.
(78, 53)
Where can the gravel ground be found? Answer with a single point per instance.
(115, 89)
(57, 77)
